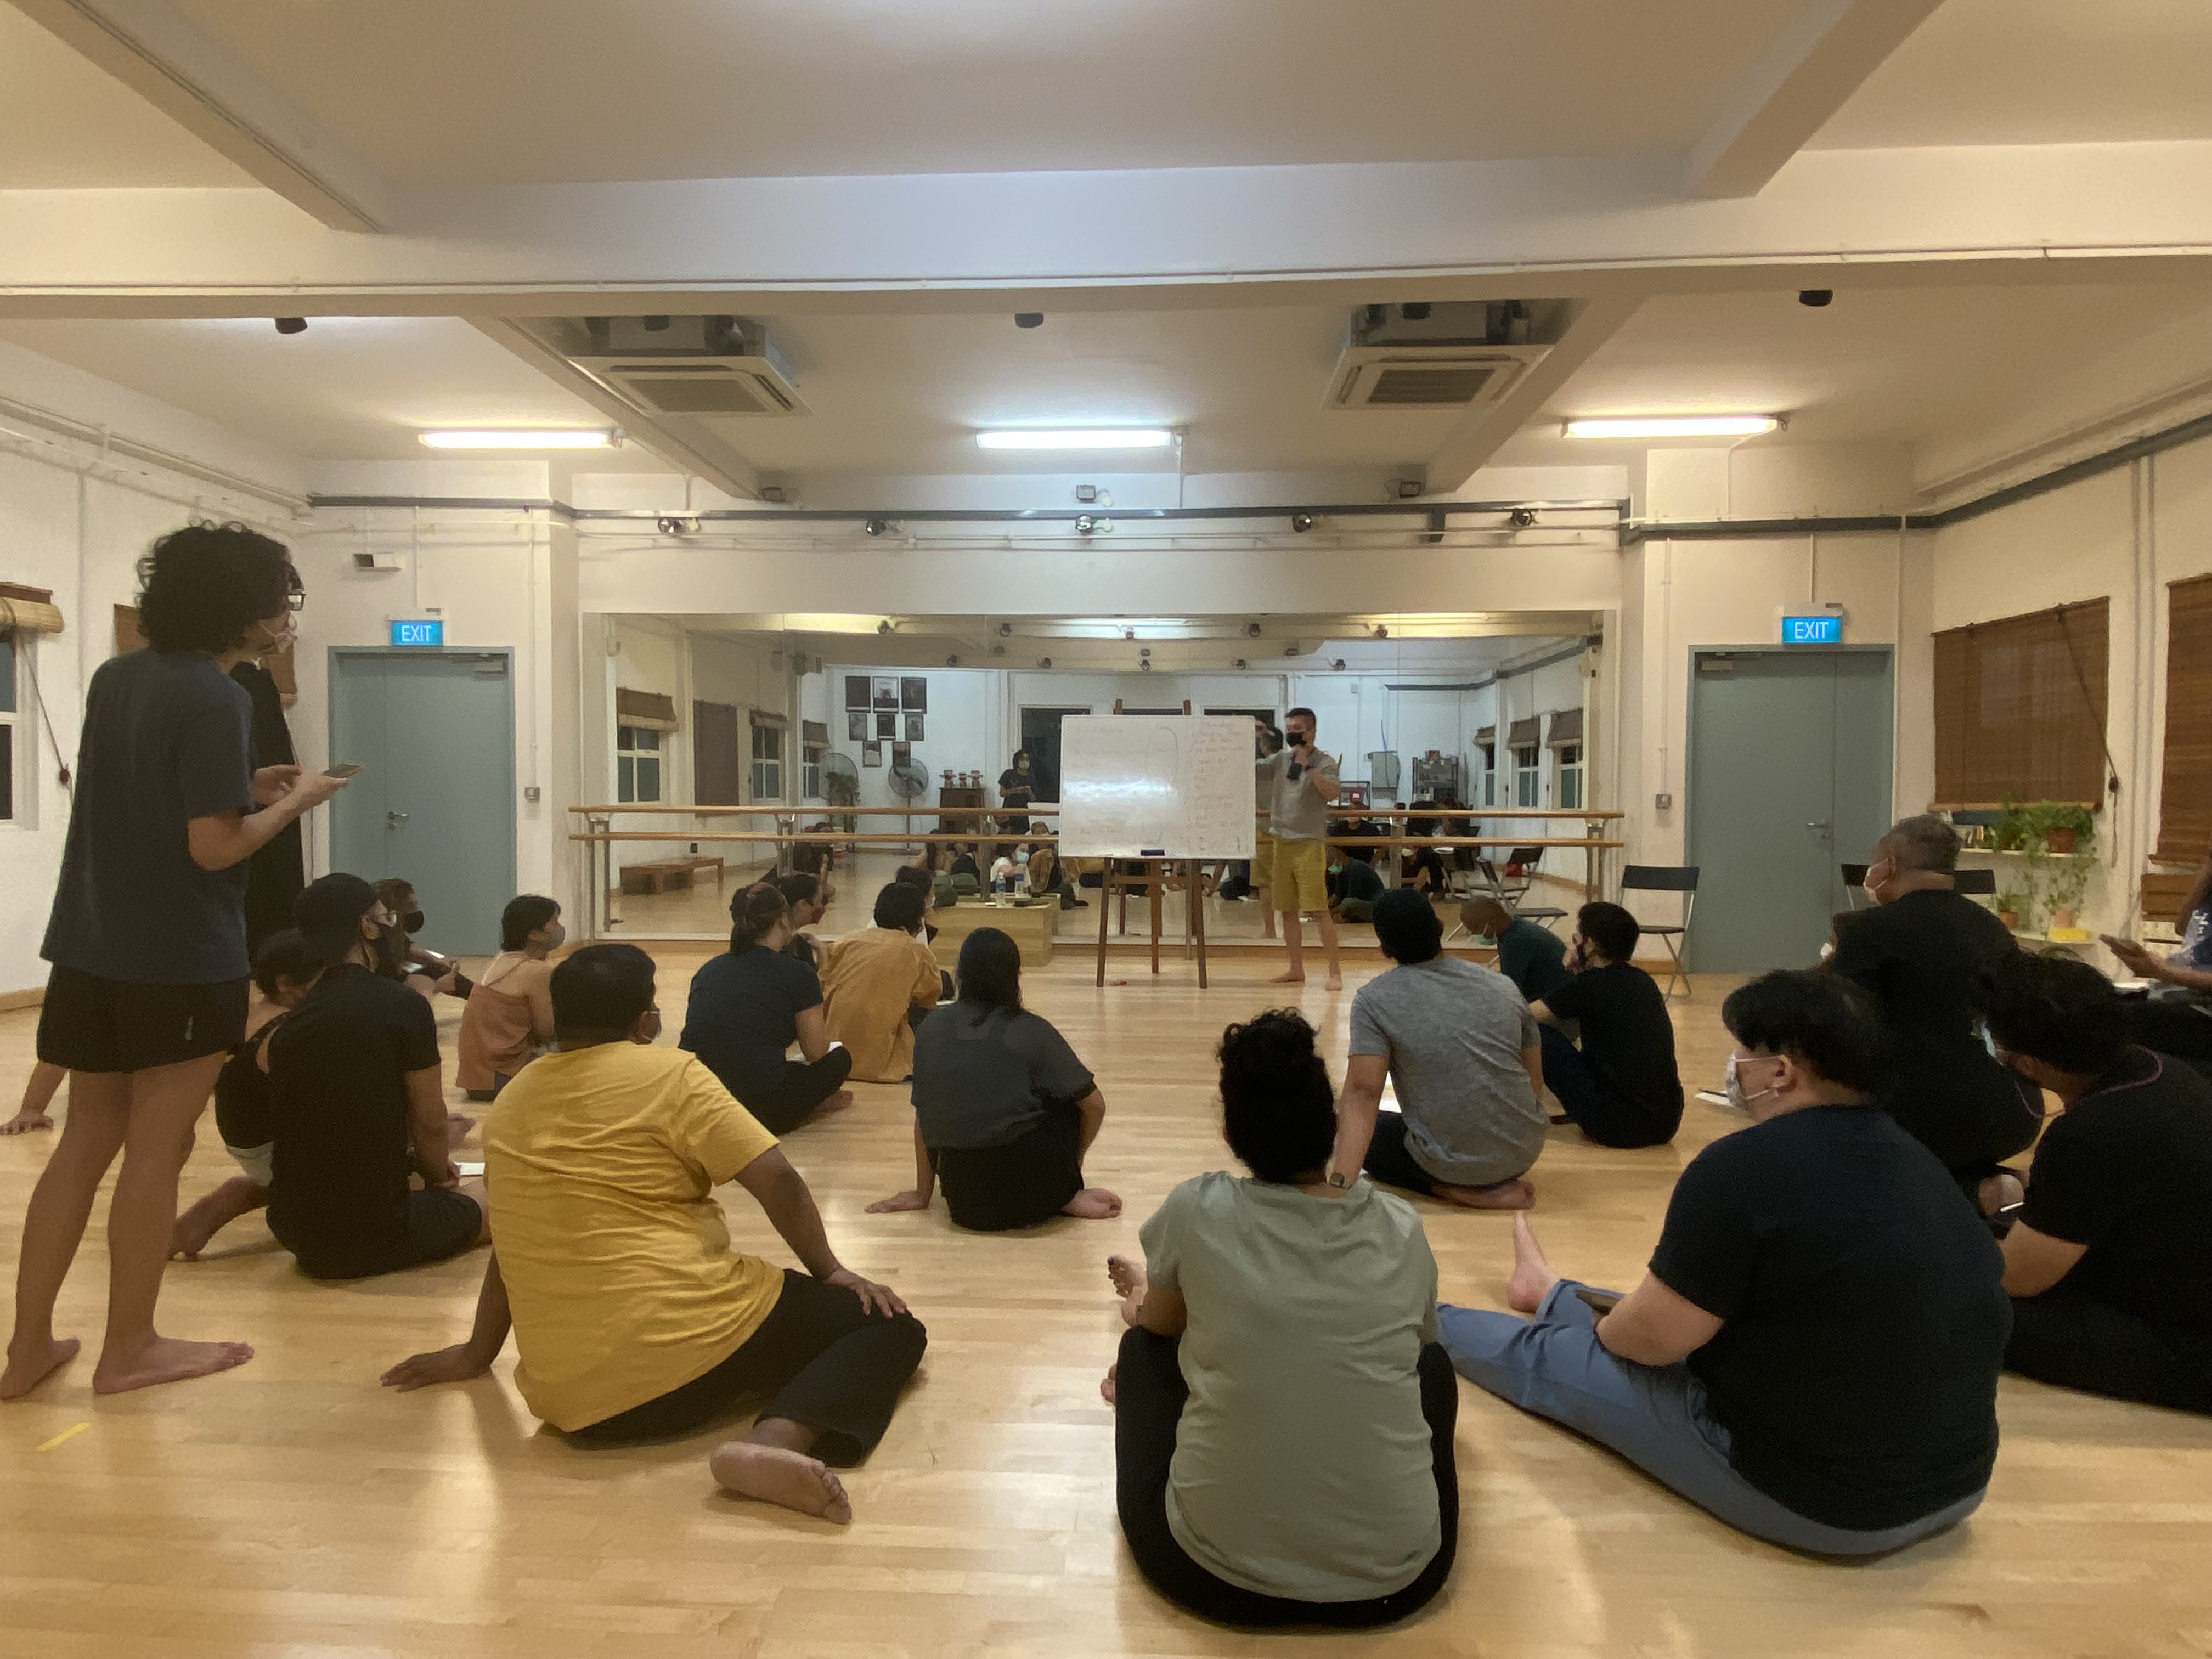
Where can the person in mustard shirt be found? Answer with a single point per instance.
(874, 981)
(611, 1263)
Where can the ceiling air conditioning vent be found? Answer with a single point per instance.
(709, 366)
(1428, 377)
(1450, 355)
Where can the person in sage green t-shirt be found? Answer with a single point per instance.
(1283, 1415)
(1533, 957)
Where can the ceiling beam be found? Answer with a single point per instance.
(1197, 236)
(1481, 433)
(1820, 59)
(697, 452)
(196, 82)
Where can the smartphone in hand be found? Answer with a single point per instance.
(343, 769)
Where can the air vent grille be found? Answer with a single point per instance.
(1428, 387)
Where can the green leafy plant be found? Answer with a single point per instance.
(2014, 904)
(2060, 826)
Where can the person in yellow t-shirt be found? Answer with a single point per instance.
(611, 1260)
(875, 981)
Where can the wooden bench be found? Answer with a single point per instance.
(662, 874)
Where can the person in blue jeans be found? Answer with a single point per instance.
(1813, 1356)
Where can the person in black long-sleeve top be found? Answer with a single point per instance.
(1921, 955)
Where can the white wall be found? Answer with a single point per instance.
(77, 523)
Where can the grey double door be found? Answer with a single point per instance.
(1790, 777)
(434, 734)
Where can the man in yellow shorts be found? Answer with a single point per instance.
(1304, 784)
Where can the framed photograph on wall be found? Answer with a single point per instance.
(902, 753)
(913, 721)
(886, 722)
(887, 691)
(913, 691)
(858, 691)
(856, 722)
(872, 753)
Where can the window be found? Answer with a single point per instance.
(809, 774)
(1567, 776)
(1482, 788)
(1527, 778)
(2185, 796)
(637, 763)
(10, 703)
(768, 762)
(2021, 707)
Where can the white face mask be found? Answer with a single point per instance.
(1735, 1091)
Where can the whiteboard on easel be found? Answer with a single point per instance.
(1155, 786)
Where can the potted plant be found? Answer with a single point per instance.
(2009, 905)
(2009, 831)
(2063, 827)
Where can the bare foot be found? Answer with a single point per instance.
(458, 1126)
(1106, 1384)
(1533, 1277)
(776, 1475)
(836, 1102)
(195, 1227)
(24, 1121)
(166, 1360)
(1515, 1194)
(26, 1371)
(1999, 1190)
(1128, 1276)
(1334, 982)
(1289, 976)
(1093, 1204)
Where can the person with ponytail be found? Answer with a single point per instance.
(1283, 1415)
(748, 1006)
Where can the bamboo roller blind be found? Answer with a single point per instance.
(2185, 796)
(2019, 707)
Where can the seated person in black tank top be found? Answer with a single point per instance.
(748, 1006)
(359, 1102)
(1921, 954)
(284, 973)
(1619, 1086)
(2110, 1262)
(1003, 1111)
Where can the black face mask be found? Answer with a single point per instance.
(386, 948)
(411, 922)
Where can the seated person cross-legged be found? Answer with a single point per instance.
(873, 980)
(509, 1017)
(1533, 957)
(1283, 1418)
(1355, 885)
(1004, 1113)
(1813, 1356)
(1460, 1048)
(2110, 1261)
(1620, 1085)
(1920, 954)
(748, 1006)
(358, 1105)
(2175, 1018)
(633, 1318)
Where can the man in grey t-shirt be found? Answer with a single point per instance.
(1305, 781)
(1464, 1053)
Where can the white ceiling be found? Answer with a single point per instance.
(65, 124)
(2038, 72)
(514, 91)
(349, 388)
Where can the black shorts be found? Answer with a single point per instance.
(991, 1189)
(439, 1222)
(88, 1023)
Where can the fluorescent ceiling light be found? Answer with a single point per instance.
(1676, 426)
(569, 438)
(1114, 438)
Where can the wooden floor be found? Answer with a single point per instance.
(294, 1508)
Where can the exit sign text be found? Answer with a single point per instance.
(1813, 630)
(429, 632)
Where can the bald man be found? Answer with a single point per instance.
(1533, 957)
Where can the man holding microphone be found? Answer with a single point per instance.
(1304, 784)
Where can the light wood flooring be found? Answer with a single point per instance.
(293, 1508)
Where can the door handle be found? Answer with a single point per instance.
(1816, 826)
(393, 820)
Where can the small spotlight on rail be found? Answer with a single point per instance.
(1303, 522)
(877, 526)
(1521, 517)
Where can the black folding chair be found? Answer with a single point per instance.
(1854, 884)
(1984, 882)
(1666, 878)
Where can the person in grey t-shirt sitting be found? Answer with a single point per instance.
(1283, 1415)
(1463, 1050)
(1003, 1112)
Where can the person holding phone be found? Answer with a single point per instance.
(1813, 1354)
(1303, 782)
(147, 937)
